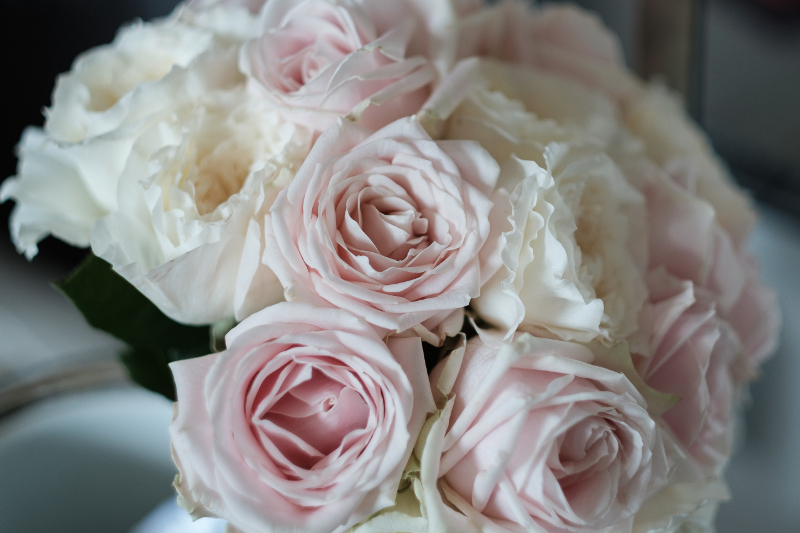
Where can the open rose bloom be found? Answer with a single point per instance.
(480, 277)
(538, 438)
(305, 422)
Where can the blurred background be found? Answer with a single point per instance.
(98, 460)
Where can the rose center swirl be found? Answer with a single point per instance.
(392, 224)
(307, 45)
(383, 226)
(307, 413)
(588, 456)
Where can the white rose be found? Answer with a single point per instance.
(90, 99)
(63, 188)
(570, 263)
(253, 6)
(231, 22)
(504, 126)
(574, 253)
(68, 173)
(188, 231)
(517, 110)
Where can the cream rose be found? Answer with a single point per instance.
(95, 96)
(389, 226)
(188, 230)
(575, 246)
(684, 506)
(324, 59)
(670, 138)
(233, 22)
(539, 439)
(574, 45)
(68, 173)
(517, 110)
(62, 190)
(253, 6)
(572, 256)
(304, 423)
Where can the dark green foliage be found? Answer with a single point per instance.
(111, 304)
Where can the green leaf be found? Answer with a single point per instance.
(150, 369)
(109, 303)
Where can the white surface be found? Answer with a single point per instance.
(90, 462)
(39, 325)
(170, 518)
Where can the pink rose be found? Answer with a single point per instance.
(687, 240)
(324, 59)
(756, 318)
(539, 439)
(693, 350)
(389, 226)
(563, 40)
(305, 422)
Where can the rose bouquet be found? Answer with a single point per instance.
(458, 268)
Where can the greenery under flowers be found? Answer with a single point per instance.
(110, 303)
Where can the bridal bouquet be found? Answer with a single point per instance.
(459, 270)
